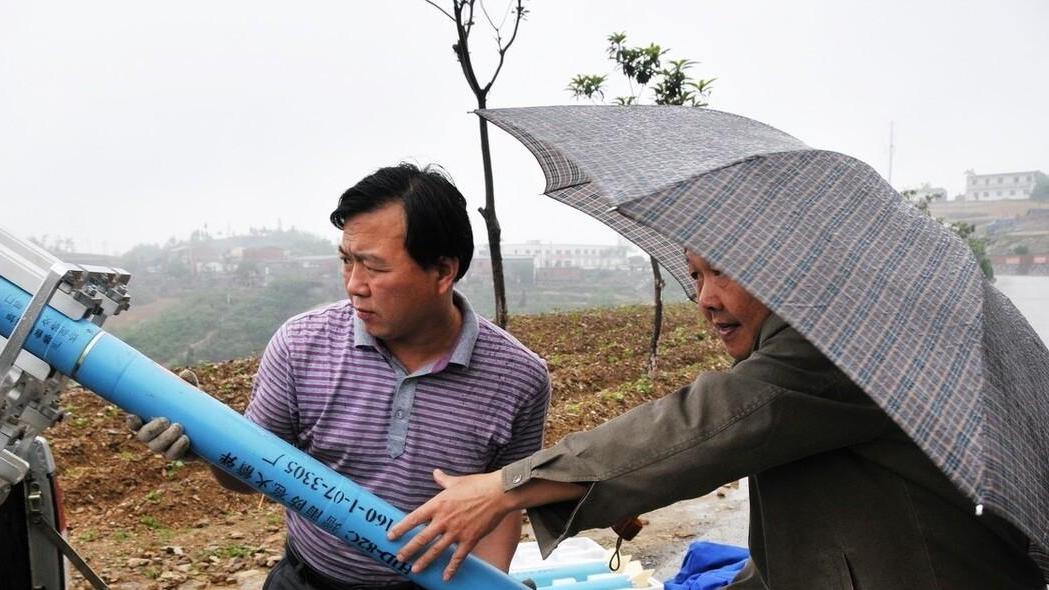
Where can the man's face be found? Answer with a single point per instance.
(734, 314)
(393, 295)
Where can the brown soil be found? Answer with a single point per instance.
(143, 522)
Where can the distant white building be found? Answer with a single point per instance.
(584, 256)
(1000, 186)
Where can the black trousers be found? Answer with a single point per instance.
(292, 573)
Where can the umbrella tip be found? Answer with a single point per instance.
(979, 510)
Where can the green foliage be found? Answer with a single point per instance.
(141, 256)
(965, 231)
(172, 468)
(637, 63)
(296, 242)
(151, 522)
(640, 387)
(88, 536)
(1041, 188)
(224, 324)
(643, 65)
(677, 88)
(230, 551)
(584, 86)
(979, 248)
(643, 385)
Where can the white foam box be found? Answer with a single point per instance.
(572, 551)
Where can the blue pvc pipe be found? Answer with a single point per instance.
(221, 436)
(600, 582)
(544, 575)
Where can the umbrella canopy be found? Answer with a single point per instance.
(893, 298)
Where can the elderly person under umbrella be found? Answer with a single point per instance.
(840, 496)
(887, 403)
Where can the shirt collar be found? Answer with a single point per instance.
(464, 348)
(460, 353)
(361, 337)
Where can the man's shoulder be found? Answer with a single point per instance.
(324, 320)
(496, 343)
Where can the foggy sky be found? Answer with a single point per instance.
(127, 122)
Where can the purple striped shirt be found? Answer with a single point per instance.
(328, 388)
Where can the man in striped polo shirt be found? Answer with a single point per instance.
(400, 378)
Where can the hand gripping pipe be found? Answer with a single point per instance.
(127, 378)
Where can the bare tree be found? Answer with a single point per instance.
(462, 14)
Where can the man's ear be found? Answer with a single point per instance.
(447, 269)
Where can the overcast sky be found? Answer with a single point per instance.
(127, 122)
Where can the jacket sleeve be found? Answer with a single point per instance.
(785, 402)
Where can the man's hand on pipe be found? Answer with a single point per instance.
(469, 508)
(159, 434)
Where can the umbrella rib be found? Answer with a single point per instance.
(574, 184)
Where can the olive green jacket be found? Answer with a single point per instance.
(839, 496)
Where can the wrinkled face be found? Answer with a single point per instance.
(734, 314)
(394, 296)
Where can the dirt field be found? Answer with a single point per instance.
(146, 523)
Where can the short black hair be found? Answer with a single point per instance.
(435, 211)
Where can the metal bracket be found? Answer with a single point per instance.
(36, 518)
(13, 469)
(58, 273)
(30, 389)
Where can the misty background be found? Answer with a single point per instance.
(168, 136)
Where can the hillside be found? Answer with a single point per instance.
(211, 299)
(1009, 227)
(143, 522)
(982, 212)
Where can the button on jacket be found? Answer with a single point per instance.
(839, 496)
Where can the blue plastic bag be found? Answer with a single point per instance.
(708, 566)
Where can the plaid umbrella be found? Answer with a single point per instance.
(892, 297)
